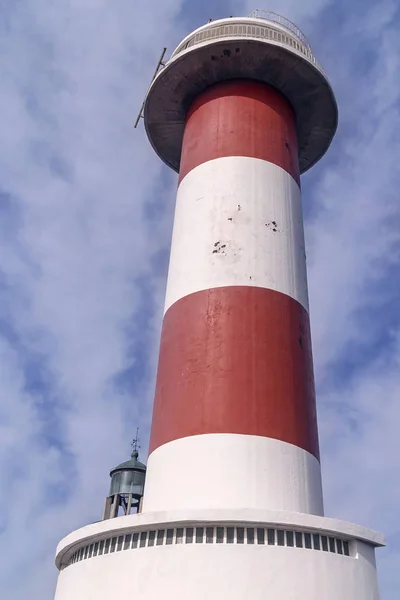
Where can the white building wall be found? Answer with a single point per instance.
(196, 572)
(231, 471)
(236, 571)
(252, 208)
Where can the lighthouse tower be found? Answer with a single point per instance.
(232, 505)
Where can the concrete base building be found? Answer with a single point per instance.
(232, 504)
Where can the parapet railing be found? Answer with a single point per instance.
(268, 15)
(216, 534)
(250, 30)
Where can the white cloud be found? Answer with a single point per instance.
(76, 177)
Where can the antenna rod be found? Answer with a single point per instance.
(159, 64)
(135, 443)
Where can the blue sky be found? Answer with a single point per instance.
(86, 212)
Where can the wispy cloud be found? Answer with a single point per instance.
(85, 217)
(85, 214)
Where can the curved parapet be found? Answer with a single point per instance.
(173, 520)
(218, 554)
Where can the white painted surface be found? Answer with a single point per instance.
(210, 250)
(232, 471)
(237, 572)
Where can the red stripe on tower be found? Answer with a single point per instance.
(236, 360)
(240, 118)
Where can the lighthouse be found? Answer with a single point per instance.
(232, 505)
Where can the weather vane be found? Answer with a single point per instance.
(135, 443)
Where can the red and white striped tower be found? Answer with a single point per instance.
(233, 498)
(235, 388)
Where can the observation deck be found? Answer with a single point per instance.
(264, 47)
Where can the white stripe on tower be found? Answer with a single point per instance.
(234, 421)
(238, 221)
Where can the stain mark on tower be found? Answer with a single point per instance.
(219, 248)
(272, 225)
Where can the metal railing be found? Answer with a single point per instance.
(244, 30)
(216, 534)
(268, 15)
